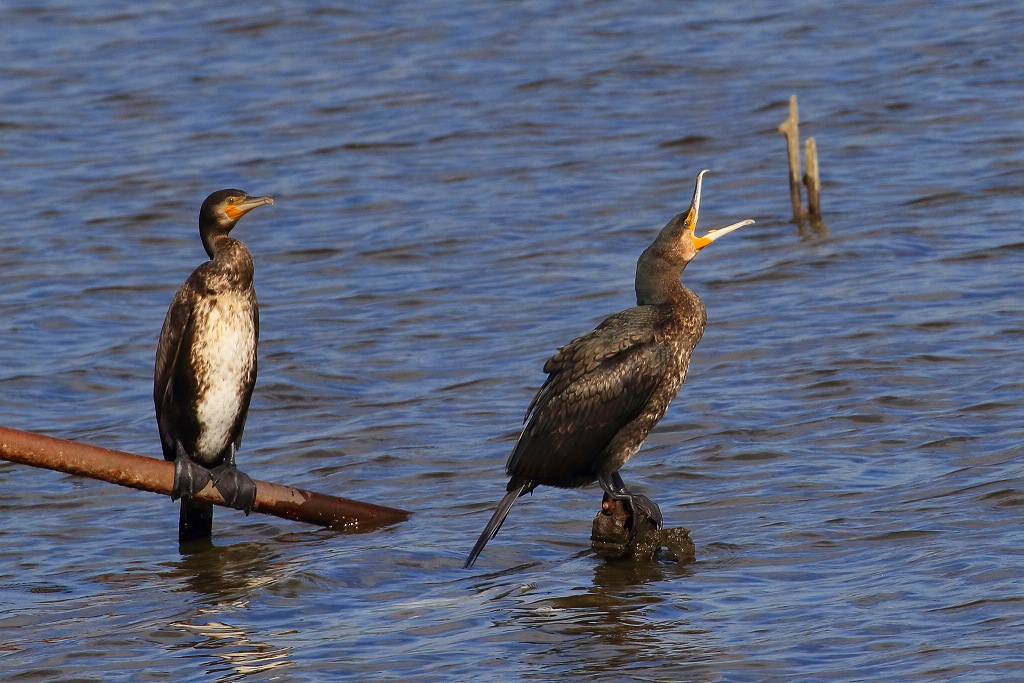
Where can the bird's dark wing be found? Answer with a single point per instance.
(596, 385)
(171, 353)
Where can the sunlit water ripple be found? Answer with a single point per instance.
(460, 191)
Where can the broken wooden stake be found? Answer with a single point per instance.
(791, 129)
(811, 178)
(149, 474)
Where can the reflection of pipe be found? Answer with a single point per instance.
(157, 476)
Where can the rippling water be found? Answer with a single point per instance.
(460, 191)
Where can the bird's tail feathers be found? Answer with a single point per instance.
(497, 519)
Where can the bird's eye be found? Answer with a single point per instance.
(231, 200)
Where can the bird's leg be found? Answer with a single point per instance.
(237, 487)
(189, 477)
(615, 488)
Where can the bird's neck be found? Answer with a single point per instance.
(218, 245)
(657, 280)
(230, 258)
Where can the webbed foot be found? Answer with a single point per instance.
(615, 488)
(237, 487)
(647, 507)
(189, 478)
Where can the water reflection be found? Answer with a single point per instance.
(624, 578)
(634, 617)
(224, 574)
(459, 188)
(223, 578)
(233, 647)
(811, 227)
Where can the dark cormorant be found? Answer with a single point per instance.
(206, 367)
(606, 390)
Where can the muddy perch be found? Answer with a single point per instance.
(618, 535)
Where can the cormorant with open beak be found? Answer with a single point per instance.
(606, 390)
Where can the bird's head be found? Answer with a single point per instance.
(679, 238)
(222, 210)
(661, 264)
(225, 207)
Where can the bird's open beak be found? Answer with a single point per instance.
(712, 235)
(236, 211)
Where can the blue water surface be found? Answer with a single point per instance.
(460, 190)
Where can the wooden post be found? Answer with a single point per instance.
(791, 129)
(157, 476)
(811, 179)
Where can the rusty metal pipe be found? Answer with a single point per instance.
(149, 474)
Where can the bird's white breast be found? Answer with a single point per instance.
(226, 352)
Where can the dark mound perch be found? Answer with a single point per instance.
(619, 534)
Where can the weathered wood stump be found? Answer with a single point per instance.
(812, 179)
(791, 129)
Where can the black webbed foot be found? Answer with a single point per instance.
(237, 487)
(189, 478)
(615, 488)
(647, 507)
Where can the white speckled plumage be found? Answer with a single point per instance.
(206, 360)
(229, 358)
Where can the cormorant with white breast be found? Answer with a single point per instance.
(606, 390)
(206, 367)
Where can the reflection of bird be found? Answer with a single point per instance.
(606, 390)
(206, 367)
